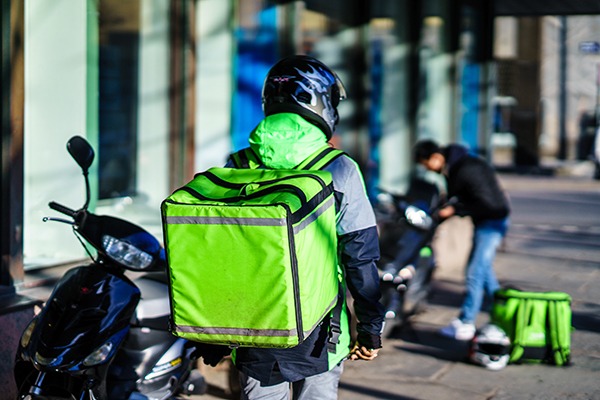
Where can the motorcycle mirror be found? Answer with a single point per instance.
(81, 151)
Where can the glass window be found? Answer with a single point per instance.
(98, 69)
(330, 38)
(214, 71)
(119, 42)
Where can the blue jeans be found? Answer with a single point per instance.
(322, 386)
(480, 278)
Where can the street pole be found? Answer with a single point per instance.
(562, 100)
(596, 150)
(597, 95)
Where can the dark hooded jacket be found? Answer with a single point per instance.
(474, 182)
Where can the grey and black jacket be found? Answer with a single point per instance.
(358, 248)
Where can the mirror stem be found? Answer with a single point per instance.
(87, 190)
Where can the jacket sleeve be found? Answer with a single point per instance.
(359, 249)
(359, 252)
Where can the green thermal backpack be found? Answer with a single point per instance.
(537, 323)
(252, 253)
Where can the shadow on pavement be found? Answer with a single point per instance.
(429, 342)
(218, 392)
(586, 321)
(446, 293)
(371, 392)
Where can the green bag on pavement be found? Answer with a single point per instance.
(252, 254)
(537, 323)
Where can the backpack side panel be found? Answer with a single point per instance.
(315, 246)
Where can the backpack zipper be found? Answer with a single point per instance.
(281, 188)
(230, 185)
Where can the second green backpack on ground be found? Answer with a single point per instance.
(252, 254)
(537, 323)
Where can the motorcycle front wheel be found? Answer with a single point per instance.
(50, 390)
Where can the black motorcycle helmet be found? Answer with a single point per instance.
(304, 85)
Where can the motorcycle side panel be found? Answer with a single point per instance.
(86, 308)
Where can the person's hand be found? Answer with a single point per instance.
(362, 353)
(446, 212)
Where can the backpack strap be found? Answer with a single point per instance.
(558, 332)
(320, 159)
(335, 322)
(245, 158)
(553, 333)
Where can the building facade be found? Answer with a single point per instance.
(165, 88)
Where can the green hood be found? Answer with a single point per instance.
(282, 141)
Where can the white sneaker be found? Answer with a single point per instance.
(458, 330)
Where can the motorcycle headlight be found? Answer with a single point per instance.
(99, 355)
(417, 217)
(126, 254)
(40, 359)
(45, 361)
(26, 336)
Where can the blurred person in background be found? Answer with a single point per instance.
(472, 181)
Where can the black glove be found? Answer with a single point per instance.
(369, 341)
(211, 354)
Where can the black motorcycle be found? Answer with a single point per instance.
(100, 334)
(406, 225)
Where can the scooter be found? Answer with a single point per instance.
(100, 334)
(406, 225)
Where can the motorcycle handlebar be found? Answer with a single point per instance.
(62, 209)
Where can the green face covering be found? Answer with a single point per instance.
(282, 141)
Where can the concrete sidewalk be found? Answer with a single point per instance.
(421, 364)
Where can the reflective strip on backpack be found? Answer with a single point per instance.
(248, 332)
(227, 221)
(237, 331)
(313, 216)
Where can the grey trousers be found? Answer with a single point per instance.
(318, 387)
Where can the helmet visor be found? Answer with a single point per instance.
(338, 94)
(492, 349)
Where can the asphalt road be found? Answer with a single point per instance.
(556, 217)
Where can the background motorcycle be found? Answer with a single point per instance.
(406, 225)
(101, 335)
